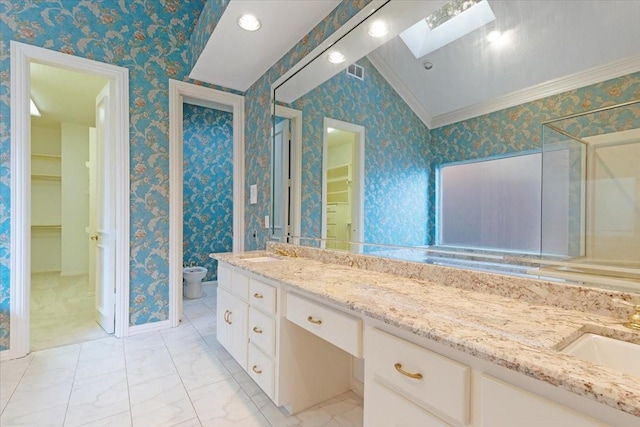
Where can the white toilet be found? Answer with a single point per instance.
(192, 287)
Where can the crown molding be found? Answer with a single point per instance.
(549, 88)
(543, 90)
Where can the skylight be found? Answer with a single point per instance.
(452, 21)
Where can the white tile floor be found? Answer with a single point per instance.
(62, 311)
(176, 377)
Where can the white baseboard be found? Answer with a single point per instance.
(148, 327)
(73, 273)
(210, 282)
(5, 355)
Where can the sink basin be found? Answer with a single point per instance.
(261, 259)
(608, 352)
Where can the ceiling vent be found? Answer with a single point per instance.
(356, 71)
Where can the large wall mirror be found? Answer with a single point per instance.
(470, 133)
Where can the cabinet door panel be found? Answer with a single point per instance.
(222, 327)
(504, 405)
(232, 319)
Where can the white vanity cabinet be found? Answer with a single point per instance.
(409, 385)
(299, 348)
(247, 324)
(294, 368)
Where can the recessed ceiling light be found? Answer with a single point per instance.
(378, 29)
(494, 36)
(499, 39)
(249, 22)
(336, 57)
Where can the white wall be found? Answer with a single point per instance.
(75, 199)
(45, 199)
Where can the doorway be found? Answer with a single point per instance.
(181, 93)
(115, 237)
(287, 175)
(342, 185)
(64, 165)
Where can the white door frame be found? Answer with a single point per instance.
(179, 92)
(295, 155)
(21, 57)
(358, 171)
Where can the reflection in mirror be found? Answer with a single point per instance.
(286, 173)
(281, 178)
(343, 171)
(434, 120)
(597, 208)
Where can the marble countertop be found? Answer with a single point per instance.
(518, 335)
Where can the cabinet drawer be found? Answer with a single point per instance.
(263, 296)
(262, 331)
(334, 326)
(224, 277)
(261, 369)
(440, 385)
(240, 284)
(386, 408)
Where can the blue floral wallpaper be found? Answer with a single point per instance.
(519, 128)
(156, 41)
(396, 146)
(150, 38)
(258, 124)
(208, 185)
(211, 14)
(401, 162)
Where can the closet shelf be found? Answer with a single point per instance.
(46, 177)
(49, 156)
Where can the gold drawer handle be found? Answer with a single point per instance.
(257, 295)
(226, 313)
(417, 376)
(257, 330)
(314, 321)
(256, 370)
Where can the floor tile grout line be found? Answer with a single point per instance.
(73, 381)
(232, 376)
(180, 376)
(30, 356)
(126, 375)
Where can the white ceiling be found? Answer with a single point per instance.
(64, 96)
(235, 58)
(553, 46)
(546, 41)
